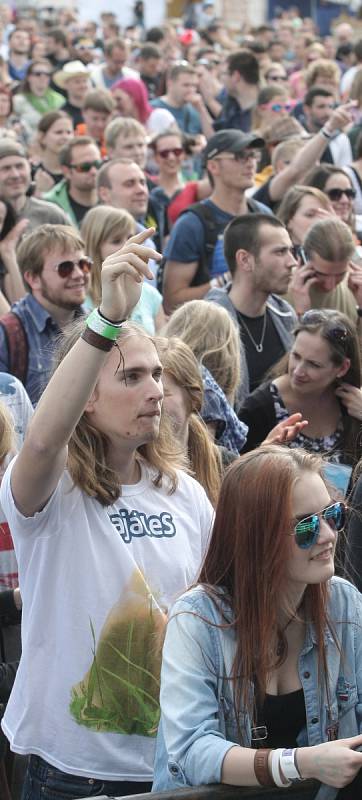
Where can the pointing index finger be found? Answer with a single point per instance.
(140, 237)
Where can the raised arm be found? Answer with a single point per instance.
(13, 280)
(312, 151)
(44, 453)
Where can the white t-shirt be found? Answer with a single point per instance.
(89, 620)
(15, 398)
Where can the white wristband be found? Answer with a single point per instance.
(275, 765)
(288, 765)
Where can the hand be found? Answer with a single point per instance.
(340, 117)
(334, 763)
(208, 87)
(322, 213)
(122, 276)
(351, 397)
(10, 242)
(355, 281)
(303, 278)
(197, 101)
(43, 181)
(220, 280)
(286, 430)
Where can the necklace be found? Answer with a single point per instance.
(258, 347)
(282, 645)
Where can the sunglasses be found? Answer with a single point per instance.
(65, 268)
(335, 331)
(279, 107)
(39, 74)
(242, 157)
(336, 194)
(307, 530)
(175, 151)
(277, 78)
(86, 166)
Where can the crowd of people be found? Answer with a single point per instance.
(180, 404)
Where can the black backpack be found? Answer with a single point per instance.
(212, 229)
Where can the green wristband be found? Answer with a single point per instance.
(96, 324)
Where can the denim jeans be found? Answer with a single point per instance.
(44, 782)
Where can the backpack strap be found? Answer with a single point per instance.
(211, 230)
(17, 344)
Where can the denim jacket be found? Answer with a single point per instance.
(198, 724)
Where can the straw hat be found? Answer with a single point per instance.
(73, 69)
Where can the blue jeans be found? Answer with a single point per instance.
(44, 782)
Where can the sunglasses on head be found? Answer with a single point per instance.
(336, 194)
(86, 166)
(306, 530)
(175, 151)
(65, 268)
(336, 331)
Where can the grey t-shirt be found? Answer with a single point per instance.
(40, 212)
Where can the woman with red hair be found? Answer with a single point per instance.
(131, 97)
(262, 664)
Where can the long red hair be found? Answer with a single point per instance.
(247, 555)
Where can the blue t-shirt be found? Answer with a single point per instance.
(187, 118)
(187, 240)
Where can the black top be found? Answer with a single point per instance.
(284, 717)
(79, 210)
(57, 176)
(273, 350)
(74, 112)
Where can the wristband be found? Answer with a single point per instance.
(288, 765)
(110, 321)
(326, 134)
(98, 325)
(261, 768)
(359, 311)
(276, 770)
(96, 340)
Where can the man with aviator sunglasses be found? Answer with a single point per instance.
(56, 271)
(77, 193)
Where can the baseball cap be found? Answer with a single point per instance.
(230, 141)
(11, 148)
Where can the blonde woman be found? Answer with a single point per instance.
(183, 398)
(105, 229)
(214, 340)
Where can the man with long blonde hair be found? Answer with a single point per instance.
(109, 528)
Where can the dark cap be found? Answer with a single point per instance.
(11, 148)
(230, 141)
